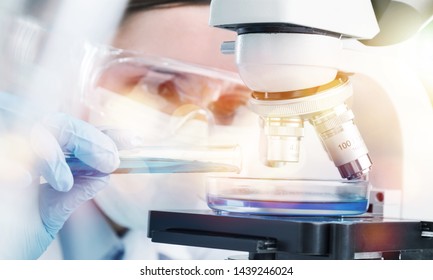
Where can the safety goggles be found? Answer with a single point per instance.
(169, 86)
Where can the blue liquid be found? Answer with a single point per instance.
(151, 165)
(349, 207)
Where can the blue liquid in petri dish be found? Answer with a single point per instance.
(347, 207)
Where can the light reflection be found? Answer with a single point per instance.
(424, 58)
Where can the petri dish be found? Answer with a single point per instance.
(285, 196)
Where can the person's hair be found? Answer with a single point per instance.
(138, 5)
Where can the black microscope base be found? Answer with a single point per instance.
(280, 237)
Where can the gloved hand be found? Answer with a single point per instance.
(31, 213)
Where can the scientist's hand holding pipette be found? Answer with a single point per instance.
(33, 211)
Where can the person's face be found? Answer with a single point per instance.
(180, 33)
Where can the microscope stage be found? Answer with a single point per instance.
(282, 237)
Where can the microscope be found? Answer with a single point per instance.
(337, 71)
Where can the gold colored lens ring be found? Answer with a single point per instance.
(302, 106)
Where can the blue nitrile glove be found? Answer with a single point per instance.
(31, 214)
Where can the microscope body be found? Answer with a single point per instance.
(304, 62)
(394, 114)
